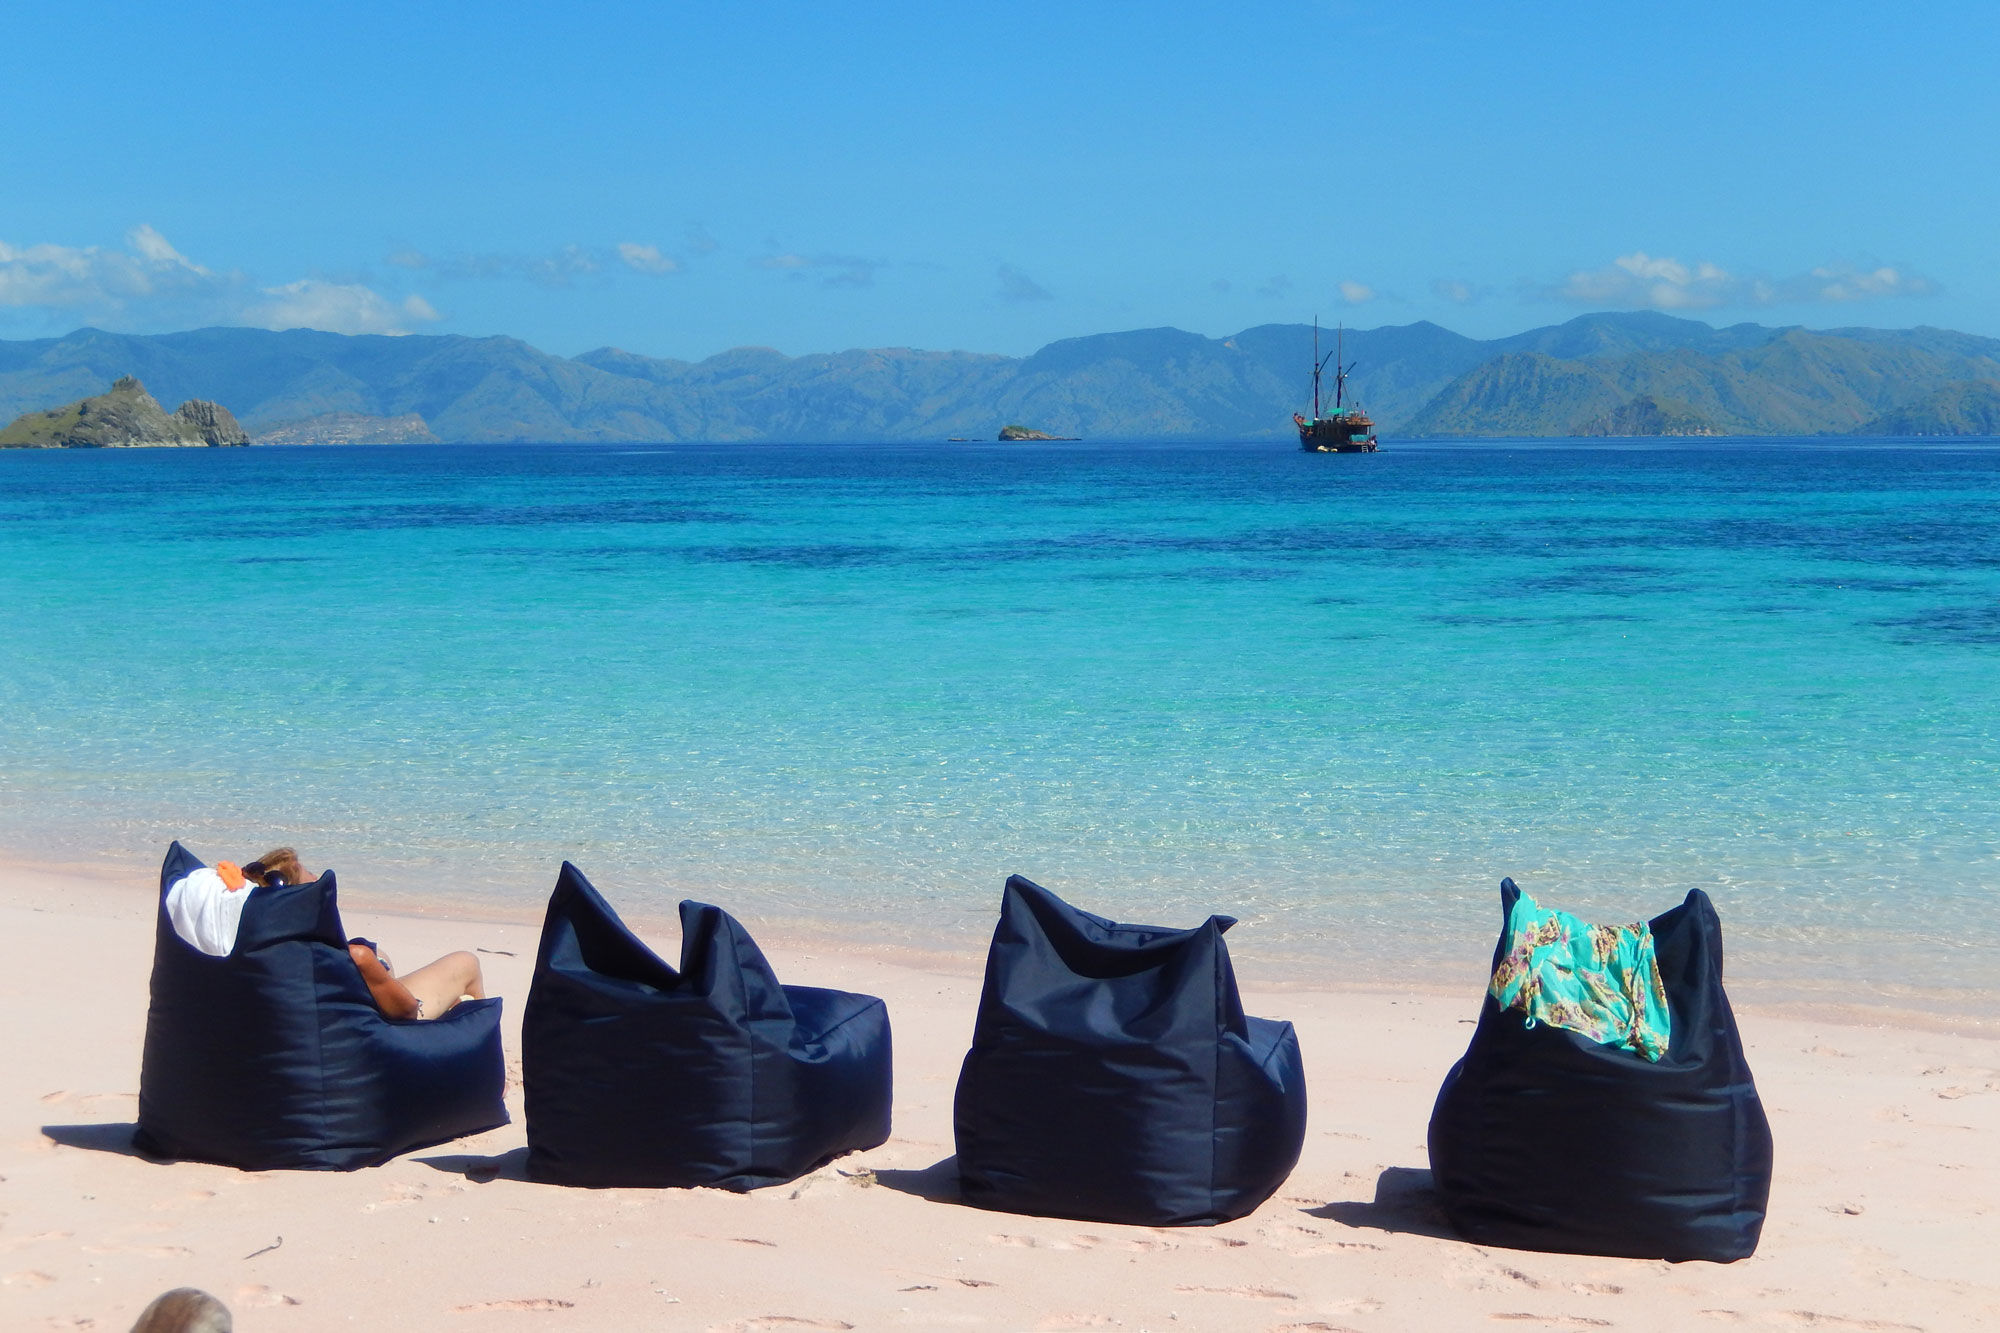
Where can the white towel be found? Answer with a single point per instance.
(205, 912)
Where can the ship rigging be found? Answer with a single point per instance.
(1345, 430)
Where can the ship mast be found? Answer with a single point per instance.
(1319, 365)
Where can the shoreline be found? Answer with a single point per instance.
(115, 886)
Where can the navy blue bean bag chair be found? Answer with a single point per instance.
(639, 1075)
(1114, 1077)
(275, 1056)
(1543, 1139)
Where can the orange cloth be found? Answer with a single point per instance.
(231, 874)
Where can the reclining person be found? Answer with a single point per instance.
(206, 907)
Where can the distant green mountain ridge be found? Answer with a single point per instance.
(1793, 382)
(1963, 407)
(1633, 373)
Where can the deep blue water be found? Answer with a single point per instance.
(1336, 696)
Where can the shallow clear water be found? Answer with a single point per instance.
(1336, 696)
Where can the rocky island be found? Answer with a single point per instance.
(1011, 433)
(350, 428)
(126, 417)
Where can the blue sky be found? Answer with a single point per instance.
(676, 180)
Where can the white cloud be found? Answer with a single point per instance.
(1278, 286)
(1355, 293)
(1458, 291)
(1837, 282)
(1662, 283)
(154, 248)
(88, 277)
(646, 258)
(336, 307)
(1018, 286)
(151, 284)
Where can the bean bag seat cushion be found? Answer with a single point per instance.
(275, 1056)
(1114, 1077)
(1544, 1139)
(639, 1075)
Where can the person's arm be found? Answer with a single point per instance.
(391, 996)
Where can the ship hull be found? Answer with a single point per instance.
(1329, 436)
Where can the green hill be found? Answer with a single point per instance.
(1963, 407)
(1794, 382)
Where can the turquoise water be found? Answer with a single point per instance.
(1338, 697)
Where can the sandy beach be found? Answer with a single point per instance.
(1882, 1212)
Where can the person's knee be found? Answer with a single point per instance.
(466, 967)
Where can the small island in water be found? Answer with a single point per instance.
(126, 417)
(1011, 433)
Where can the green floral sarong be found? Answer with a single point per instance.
(1602, 981)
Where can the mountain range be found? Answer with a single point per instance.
(1628, 373)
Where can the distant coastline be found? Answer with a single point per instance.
(1639, 375)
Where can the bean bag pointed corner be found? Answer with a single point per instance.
(1543, 1139)
(638, 1075)
(1114, 1077)
(276, 1057)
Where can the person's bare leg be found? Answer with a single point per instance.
(439, 985)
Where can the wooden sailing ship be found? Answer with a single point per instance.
(1346, 429)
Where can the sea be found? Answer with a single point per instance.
(854, 687)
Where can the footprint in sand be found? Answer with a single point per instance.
(1316, 1326)
(262, 1297)
(1551, 1320)
(148, 1251)
(1248, 1293)
(28, 1280)
(532, 1305)
(1032, 1243)
(1066, 1323)
(782, 1323)
(19, 1242)
(401, 1196)
(1814, 1319)
(1360, 1305)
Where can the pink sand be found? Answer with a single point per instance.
(1883, 1214)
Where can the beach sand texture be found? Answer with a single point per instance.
(1883, 1212)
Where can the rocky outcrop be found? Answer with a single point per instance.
(211, 421)
(1010, 433)
(350, 428)
(125, 417)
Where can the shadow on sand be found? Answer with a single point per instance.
(115, 1138)
(1405, 1202)
(509, 1165)
(937, 1182)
